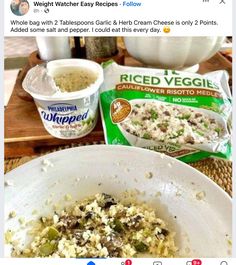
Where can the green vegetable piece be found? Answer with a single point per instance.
(154, 114)
(206, 125)
(200, 133)
(140, 246)
(147, 136)
(180, 132)
(184, 117)
(137, 105)
(53, 233)
(147, 232)
(47, 249)
(218, 130)
(137, 123)
(118, 226)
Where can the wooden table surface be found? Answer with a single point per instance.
(24, 131)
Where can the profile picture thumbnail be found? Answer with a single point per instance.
(19, 7)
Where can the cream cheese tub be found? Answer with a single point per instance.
(66, 113)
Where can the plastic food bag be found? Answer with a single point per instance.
(181, 114)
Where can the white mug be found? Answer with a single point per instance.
(53, 48)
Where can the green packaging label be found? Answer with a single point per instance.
(181, 114)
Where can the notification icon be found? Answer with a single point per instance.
(196, 262)
(127, 262)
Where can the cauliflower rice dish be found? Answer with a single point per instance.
(171, 123)
(100, 226)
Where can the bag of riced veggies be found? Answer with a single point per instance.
(181, 114)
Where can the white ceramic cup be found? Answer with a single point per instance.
(53, 48)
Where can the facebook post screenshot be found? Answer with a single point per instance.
(117, 132)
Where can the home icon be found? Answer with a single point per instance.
(91, 263)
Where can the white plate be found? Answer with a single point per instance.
(201, 225)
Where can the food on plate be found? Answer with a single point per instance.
(101, 226)
(184, 115)
(172, 124)
(71, 79)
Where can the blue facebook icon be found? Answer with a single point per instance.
(91, 263)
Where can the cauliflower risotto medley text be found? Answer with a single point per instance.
(101, 226)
